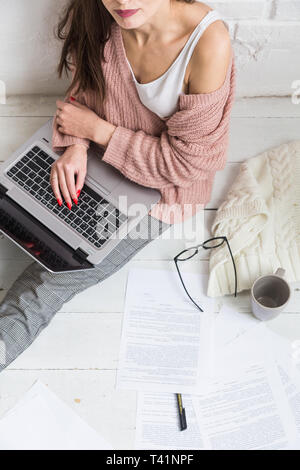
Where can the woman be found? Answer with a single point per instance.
(153, 85)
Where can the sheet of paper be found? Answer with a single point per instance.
(292, 390)
(285, 353)
(157, 425)
(240, 341)
(41, 421)
(166, 342)
(247, 340)
(288, 368)
(231, 325)
(250, 412)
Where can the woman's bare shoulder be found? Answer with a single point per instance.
(192, 13)
(211, 57)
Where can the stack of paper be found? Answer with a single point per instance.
(240, 391)
(240, 384)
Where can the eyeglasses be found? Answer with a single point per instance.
(193, 250)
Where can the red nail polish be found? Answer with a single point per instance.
(72, 99)
(78, 192)
(59, 201)
(75, 201)
(69, 205)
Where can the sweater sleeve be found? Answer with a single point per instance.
(59, 140)
(193, 146)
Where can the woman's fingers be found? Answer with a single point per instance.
(80, 181)
(70, 181)
(55, 185)
(72, 164)
(62, 181)
(63, 186)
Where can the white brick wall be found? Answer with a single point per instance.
(266, 41)
(265, 35)
(240, 9)
(287, 10)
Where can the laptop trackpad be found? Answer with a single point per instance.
(103, 173)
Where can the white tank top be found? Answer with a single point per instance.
(161, 95)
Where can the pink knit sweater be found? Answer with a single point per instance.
(178, 155)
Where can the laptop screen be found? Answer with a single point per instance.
(24, 229)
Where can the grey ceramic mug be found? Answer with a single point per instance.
(270, 295)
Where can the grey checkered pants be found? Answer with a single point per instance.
(37, 294)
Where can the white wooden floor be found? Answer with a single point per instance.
(77, 354)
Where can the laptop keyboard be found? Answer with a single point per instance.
(95, 218)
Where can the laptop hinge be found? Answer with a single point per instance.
(80, 254)
(3, 190)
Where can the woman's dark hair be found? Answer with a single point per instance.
(85, 26)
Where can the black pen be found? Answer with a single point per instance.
(181, 411)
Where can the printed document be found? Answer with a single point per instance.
(167, 343)
(157, 424)
(249, 413)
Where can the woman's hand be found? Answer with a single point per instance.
(62, 178)
(78, 120)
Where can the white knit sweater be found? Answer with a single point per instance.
(261, 218)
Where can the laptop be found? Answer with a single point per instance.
(64, 240)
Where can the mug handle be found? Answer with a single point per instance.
(280, 272)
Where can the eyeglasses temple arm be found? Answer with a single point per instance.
(185, 287)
